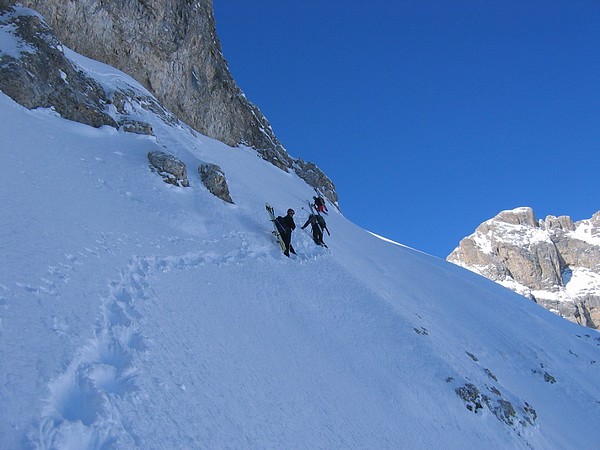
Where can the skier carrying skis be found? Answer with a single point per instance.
(320, 204)
(318, 224)
(285, 226)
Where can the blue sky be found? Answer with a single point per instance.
(429, 116)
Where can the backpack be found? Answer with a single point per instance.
(321, 221)
(279, 224)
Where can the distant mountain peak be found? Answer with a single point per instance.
(555, 262)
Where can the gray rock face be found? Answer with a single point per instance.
(39, 74)
(171, 169)
(214, 179)
(555, 262)
(172, 49)
(314, 177)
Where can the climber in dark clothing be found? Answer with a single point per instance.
(318, 225)
(286, 225)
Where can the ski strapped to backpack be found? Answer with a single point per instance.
(275, 229)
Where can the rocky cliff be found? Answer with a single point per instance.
(171, 48)
(555, 262)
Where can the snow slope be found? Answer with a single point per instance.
(137, 314)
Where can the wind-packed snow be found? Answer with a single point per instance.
(137, 314)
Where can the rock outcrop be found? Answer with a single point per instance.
(213, 178)
(37, 73)
(171, 169)
(555, 262)
(173, 50)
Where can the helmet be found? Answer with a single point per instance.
(291, 211)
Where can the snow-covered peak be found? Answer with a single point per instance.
(553, 261)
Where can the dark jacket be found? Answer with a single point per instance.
(317, 222)
(317, 228)
(286, 223)
(313, 220)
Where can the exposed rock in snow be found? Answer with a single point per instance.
(170, 168)
(214, 179)
(38, 74)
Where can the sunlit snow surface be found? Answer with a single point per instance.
(583, 232)
(137, 314)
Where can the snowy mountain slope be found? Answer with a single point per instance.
(137, 314)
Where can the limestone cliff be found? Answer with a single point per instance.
(555, 262)
(172, 48)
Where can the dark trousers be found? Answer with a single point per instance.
(317, 234)
(286, 237)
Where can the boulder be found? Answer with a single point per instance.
(214, 179)
(172, 170)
